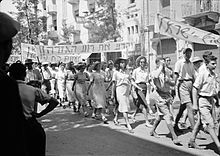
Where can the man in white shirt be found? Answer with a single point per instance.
(185, 74)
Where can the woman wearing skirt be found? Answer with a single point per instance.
(122, 84)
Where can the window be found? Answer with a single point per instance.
(132, 16)
(76, 13)
(55, 24)
(132, 1)
(136, 29)
(54, 2)
(136, 15)
(129, 30)
(132, 28)
(44, 5)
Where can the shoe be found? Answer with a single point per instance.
(183, 125)
(94, 116)
(154, 134)
(74, 108)
(105, 121)
(86, 114)
(192, 144)
(131, 131)
(177, 130)
(133, 119)
(147, 124)
(116, 122)
(176, 142)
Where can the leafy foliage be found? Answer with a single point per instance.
(103, 24)
(30, 24)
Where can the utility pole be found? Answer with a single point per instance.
(113, 19)
(36, 20)
(142, 29)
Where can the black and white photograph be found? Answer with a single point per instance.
(110, 77)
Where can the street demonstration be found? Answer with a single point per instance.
(168, 83)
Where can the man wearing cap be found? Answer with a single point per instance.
(46, 74)
(197, 62)
(13, 120)
(184, 72)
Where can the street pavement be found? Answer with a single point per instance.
(69, 133)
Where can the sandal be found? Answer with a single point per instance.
(104, 120)
(116, 122)
(131, 131)
(86, 114)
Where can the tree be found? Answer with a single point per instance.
(67, 32)
(103, 25)
(30, 23)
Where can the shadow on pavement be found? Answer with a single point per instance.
(71, 134)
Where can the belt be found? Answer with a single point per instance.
(186, 80)
(141, 83)
(159, 91)
(206, 97)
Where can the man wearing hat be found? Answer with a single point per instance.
(184, 72)
(33, 76)
(197, 62)
(13, 120)
(46, 74)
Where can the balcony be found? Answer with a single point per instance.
(73, 2)
(190, 9)
(52, 9)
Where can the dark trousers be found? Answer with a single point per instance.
(140, 102)
(36, 138)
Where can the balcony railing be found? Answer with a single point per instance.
(52, 9)
(189, 9)
(73, 2)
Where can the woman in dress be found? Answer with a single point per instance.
(98, 91)
(89, 72)
(69, 83)
(61, 83)
(79, 87)
(122, 84)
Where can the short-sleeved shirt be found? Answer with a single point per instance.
(159, 81)
(140, 75)
(33, 75)
(30, 96)
(70, 75)
(121, 77)
(206, 83)
(46, 74)
(185, 69)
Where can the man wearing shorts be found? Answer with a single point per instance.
(162, 96)
(184, 72)
(205, 90)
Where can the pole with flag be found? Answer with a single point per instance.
(157, 30)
